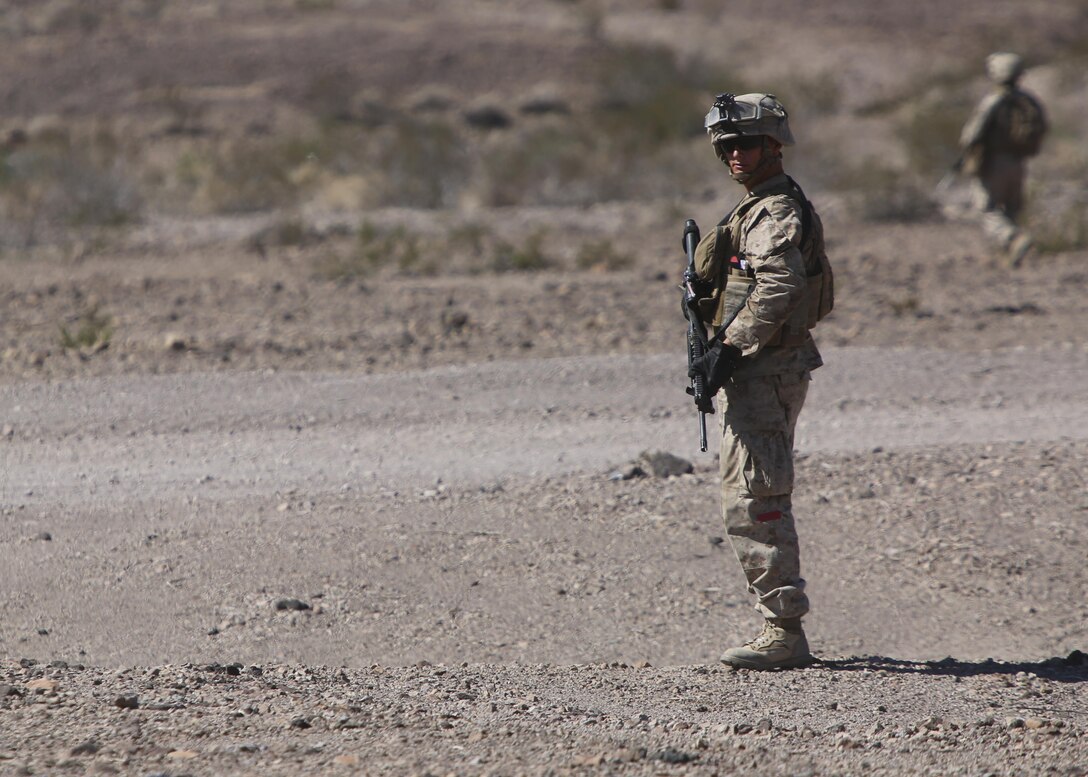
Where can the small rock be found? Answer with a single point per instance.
(544, 104)
(665, 465)
(174, 342)
(589, 760)
(487, 117)
(127, 701)
(292, 604)
(43, 685)
(182, 755)
(90, 747)
(454, 321)
(671, 756)
(629, 473)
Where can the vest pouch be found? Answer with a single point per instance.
(708, 306)
(817, 302)
(710, 266)
(819, 299)
(734, 297)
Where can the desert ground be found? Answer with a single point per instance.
(342, 413)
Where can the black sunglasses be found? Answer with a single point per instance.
(744, 143)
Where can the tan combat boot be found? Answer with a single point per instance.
(1018, 248)
(781, 645)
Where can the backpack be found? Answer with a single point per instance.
(821, 280)
(1019, 124)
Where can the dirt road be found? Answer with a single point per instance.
(249, 435)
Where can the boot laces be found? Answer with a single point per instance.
(769, 635)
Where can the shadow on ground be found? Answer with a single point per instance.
(1070, 669)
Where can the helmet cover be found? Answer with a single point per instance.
(1004, 67)
(747, 115)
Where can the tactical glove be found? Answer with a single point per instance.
(716, 365)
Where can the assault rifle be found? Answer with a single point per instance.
(697, 341)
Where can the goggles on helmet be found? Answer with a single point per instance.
(726, 109)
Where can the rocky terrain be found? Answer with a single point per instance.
(342, 425)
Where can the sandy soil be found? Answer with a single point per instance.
(293, 524)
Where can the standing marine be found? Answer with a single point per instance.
(763, 275)
(1006, 129)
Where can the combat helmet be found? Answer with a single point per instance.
(1004, 67)
(734, 116)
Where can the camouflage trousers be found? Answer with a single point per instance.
(759, 415)
(998, 197)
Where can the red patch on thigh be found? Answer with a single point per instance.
(774, 515)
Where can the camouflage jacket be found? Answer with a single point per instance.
(758, 249)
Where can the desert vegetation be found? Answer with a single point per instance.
(337, 143)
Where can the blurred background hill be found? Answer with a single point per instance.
(297, 148)
(117, 112)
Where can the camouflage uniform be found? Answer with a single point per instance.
(759, 248)
(997, 165)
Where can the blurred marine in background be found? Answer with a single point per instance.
(1006, 129)
(765, 282)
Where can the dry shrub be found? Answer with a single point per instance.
(647, 98)
(882, 194)
(468, 249)
(92, 333)
(602, 255)
(56, 182)
(931, 130)
(633, 143)
(418, 163)
(550, 165)
(373, 250)
(244, 175)
(526, 257)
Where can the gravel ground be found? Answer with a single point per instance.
(858, 715)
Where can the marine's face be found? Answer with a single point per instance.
(750, 159)
(742, 154)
